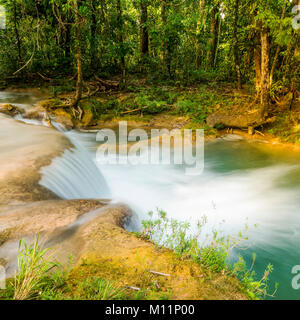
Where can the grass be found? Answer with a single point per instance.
(211, 250)
(176, 244)
(195, 102)
(32, 267)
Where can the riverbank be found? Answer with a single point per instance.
(92, 231)
(147, 107)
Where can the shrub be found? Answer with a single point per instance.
(212, 250)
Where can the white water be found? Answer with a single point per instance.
(75, 175)
(241, 183)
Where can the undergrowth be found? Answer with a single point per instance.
(40, 278)
(211, 250)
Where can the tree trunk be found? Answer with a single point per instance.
(200, 28)
(67, 44)
(120, 36)
(214, 19)
(79, 83)
(295, 63)
(236, 46)
(218, 41)
(93, 42)
(165, 42)
(265, 71)
(278, 48)
(17, 34)
(144, 36)
(257, 62)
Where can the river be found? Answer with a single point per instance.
(243, 182)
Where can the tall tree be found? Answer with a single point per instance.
(144, 35)
(212, 46)
(164, 6)
(121, 44)
(200, 29)
(265, 70)
(236, 45)
(18, 40)
(78, 25)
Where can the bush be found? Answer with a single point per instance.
(212, 251)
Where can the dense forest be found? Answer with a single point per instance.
(69, 69)
(250, 43)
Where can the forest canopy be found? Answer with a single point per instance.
(252, 42)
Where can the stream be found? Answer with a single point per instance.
(244, 182)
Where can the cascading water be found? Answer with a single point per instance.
(241, 180)
(72, 176)
(75, 175)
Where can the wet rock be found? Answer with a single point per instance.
(63, 118)
(249, 120)
(87, 118)
(37, 113)
(10, 110)
(42, 216)
(25, 149)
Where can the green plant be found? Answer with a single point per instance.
(33, 265)
(212, 250)
(100, 289)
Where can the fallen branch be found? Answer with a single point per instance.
(132, 288)
(134, 110)
(258, 132)
(160, 273)
(44, 78)
(108, 83)
(26, 64)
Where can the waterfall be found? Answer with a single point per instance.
(74, 175)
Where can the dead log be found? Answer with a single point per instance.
(108, 84)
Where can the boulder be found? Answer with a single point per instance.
(10, 110)
(37, 113)
(249, 120)
(25, 149)
(63, 118)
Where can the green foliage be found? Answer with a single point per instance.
(212, 250)
(99, 289)
(32, 267)
(40, 37)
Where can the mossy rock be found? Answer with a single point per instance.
(51, 104)
(64, 118)
(88, 118)
(10, 109)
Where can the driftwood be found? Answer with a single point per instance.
(134, 110)
(160, 273)
(108, 84)
(132, 288)
(99, 85)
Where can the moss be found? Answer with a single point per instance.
(186, 280)
(51, 103)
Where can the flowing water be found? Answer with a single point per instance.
(243, 182)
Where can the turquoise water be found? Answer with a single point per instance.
(243, 182)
